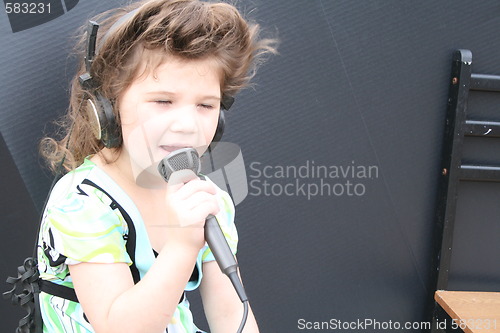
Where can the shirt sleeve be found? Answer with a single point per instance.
(84, 228)
(226, 221)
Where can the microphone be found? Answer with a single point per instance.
(188, 159)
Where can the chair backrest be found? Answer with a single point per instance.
(457, 168)
(453, 168)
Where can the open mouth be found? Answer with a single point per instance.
(170, 148)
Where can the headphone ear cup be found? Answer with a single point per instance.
(220, 127)
(93, 116)
(110, 131)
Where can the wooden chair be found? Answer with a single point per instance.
(466, 311)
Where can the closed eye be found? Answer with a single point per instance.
(207, 106)
(163, 102)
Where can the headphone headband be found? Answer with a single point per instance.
(93, 48)
(91, 43)
(86, 79)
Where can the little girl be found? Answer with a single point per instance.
(118, 245)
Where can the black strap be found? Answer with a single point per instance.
(131, 237)
(69, 293)
(58, 290)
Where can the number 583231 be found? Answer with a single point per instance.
(27, 8)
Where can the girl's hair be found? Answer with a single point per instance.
(187, 29)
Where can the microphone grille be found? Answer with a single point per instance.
(180, 159)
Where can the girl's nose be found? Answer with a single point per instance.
(184, 120)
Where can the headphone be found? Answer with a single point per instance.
(105, 126)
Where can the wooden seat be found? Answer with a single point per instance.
(469, 311)
(472, 312)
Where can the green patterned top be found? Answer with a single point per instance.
(80, 224)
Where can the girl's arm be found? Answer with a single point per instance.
(112, 302)
(223, 308)
(107, 293)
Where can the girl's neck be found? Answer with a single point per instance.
(121, 170)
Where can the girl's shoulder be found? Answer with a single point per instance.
(81, 196)
(81, 220)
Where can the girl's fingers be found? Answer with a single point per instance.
(196, 185)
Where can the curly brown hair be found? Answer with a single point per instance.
(188, 29)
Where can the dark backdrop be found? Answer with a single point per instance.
(357, 85)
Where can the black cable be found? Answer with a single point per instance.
(245, 316)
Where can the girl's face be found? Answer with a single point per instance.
(175, 106)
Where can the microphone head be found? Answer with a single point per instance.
(180, 159)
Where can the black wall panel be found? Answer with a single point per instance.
(17, 228)
(357, 86)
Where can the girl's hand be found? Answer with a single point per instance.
(189, 200)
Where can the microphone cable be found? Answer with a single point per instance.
(245, 316)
